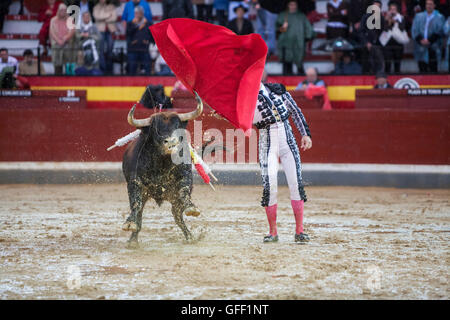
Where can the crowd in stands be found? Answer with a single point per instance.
(381, 49)
(88, 49)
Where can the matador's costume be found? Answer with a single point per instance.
(276, 140)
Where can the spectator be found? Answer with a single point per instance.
(337, 25)
(357, 9)
(46, 13)
(9, 69)
(221, 7)
(30, 66)
(295, 30)
(139, 38)
(311, 78)
(9, 77)
(347, 65)
(177, 9)
(382, 82)
(234, 4)
(155, 97)
(372, 55)
(427, 32)
(85, 6)
(265, 27)
(106, 17)
(128, 11)
(447, 33)
(161, 67)
(204, 9)
(61, 38)
(393, 50)
(240, 25)
(88, 38)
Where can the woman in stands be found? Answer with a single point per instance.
(105, 19)
(393, 50)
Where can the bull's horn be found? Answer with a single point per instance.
(138, 123)
(193, 114)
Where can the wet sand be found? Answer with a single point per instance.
(66, 242)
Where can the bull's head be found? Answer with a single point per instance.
(161, 126)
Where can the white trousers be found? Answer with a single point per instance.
(278, 142)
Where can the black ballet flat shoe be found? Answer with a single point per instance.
(302, 238)
(271, 238)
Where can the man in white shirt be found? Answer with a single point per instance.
(8, 61)
(9, 69)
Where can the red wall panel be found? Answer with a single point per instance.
(339, 136)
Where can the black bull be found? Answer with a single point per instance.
(150, 172)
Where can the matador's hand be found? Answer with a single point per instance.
(306, 143)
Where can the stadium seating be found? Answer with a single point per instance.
(20, 33)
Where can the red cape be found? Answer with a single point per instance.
(224, 68)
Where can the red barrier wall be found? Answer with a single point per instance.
(339, 136)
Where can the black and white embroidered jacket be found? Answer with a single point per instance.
(275, 104)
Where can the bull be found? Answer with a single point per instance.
(150, 172)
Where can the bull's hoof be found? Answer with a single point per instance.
(129, 226)
(192, 211)
(132, 244)
(188, 238)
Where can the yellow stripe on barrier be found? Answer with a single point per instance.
(132, 94)
(103, 93)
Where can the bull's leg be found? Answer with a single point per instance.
(189, 208)
(137, 198)
(132, 242)
(177, 211)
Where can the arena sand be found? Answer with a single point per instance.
(65, 242)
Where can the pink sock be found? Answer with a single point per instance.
(297, 207)
(271, 212)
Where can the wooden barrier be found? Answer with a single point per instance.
(339, 136)
(305, 103)
(107, 92)
(403, 99)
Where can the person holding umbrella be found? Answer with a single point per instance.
(294, 31)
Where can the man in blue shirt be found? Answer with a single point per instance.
(428, 32)
(311, 78)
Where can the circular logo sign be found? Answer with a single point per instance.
(406, 83)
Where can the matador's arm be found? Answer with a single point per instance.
(297, 115)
